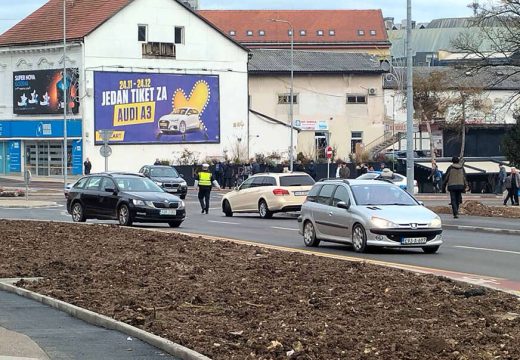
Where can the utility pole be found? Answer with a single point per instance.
(410, 163)
(65, 95)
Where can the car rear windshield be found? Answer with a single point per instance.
(163, 172)
(137, 184)
(374, 194)
(296, 180)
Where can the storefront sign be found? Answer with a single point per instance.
(15, 156)
(38, 128)
(43, 91)
(311, 125)
(77, 157)
(157, 108)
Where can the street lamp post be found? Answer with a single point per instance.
(409, 101)
(291, 91)
(65, 97)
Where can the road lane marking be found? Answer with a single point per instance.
(486, 249)
(223, 222)
(283, 228)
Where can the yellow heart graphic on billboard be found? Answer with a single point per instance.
(198, 98)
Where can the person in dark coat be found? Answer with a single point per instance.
(311, 169)
(501, 179)
(88, 166)
(157, 162)
(255, 168)
(228, 176)
(456, 183)
(512, 184)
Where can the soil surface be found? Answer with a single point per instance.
(476, 208)
(231, 301)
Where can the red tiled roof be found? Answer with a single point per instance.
(345, 24)
(46, 24)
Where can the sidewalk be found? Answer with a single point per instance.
(12, 202)
(37, 331)
(481, 223)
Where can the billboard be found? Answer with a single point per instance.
(43, 91)
(147, 108)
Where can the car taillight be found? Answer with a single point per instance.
(280, 192)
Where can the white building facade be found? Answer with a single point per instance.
(164, 85)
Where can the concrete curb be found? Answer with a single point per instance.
(107, 322)
(27, 206)
(481, 229)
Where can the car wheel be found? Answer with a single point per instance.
(359, 238)
(430, 249)
(182, 127)
(123, 215)
(309, 235)
(175, 224)
(263, 210)
(78, 215)
(226, 208)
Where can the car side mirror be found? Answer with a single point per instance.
(182, 176)
(421, 203)
(236, 188)
(111, 190)
(343, 205)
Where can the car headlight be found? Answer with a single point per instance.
(158, 183)
(138, 202)
(181, 205)
(382, 223)
(184, 183)
(436, 223)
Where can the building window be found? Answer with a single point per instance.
(373, 33)
(319, 32)
(320, 144)
(303, 33)
(356, 99)
(332, 32)
(356, 137)
(232, 32)
(285, 99)
(141, 32)
(361, 32)
(179, 35)
(261, 32)
(249, 33)
(290, 32)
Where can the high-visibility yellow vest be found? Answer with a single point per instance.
(204, 178)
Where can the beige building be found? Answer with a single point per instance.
(338, 101)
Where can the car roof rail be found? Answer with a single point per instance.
(124, 173)
(334, 179)
(384, 179)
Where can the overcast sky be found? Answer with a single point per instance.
(12, 11)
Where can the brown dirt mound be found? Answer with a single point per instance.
(232, 301)
(476, 208)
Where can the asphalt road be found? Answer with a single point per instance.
(479, 254)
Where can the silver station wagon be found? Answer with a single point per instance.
(367, 213)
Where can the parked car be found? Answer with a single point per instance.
(368, 213)
(268, 193)
(125, 197)
(166, 177)
(397, 179)
(180, 121)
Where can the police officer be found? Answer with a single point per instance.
(205, 181)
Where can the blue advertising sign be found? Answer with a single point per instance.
(146, 108)
(77, 157)
(15, 156)
(39, 128)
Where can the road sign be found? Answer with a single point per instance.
(105, 135)
(328, 152)
(105, 151)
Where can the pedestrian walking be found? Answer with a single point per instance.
(87, 165)
(219, 172)
(343, 172)
(228, 176)
(255, 167)
(435, 177)
(456, 183)
(363, 169)
(205, 181)
(512, 184)
(157, 162)
(501, 179)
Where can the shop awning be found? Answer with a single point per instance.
(471, 167)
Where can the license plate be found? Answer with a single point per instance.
(413, 241)
(301, 193)
(168, 212)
